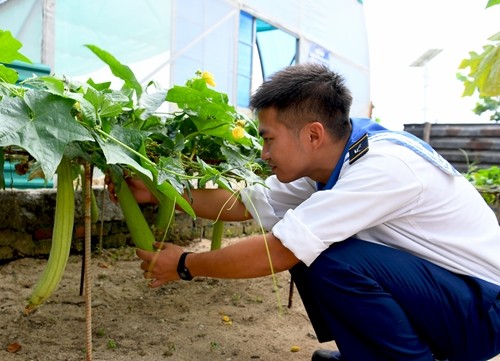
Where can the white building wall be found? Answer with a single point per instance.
(168, 40)
(205, 34)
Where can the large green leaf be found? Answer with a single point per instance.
(105, 104)
(150, 102)
(8, 75)
(490, 70)
(49, 83)
(492, 3)
(9, 47)
(484, 74)
(484, 70)
(118, 69)
(115, 152)
(187, 97)
(171, 170)
(41, 123)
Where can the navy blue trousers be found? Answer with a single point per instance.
(380, 303)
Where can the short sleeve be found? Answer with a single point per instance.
(268, 204)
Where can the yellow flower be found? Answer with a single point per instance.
(208, 77)
(238, 133)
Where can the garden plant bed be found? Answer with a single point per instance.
(178, 321)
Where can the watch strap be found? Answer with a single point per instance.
(182, 270)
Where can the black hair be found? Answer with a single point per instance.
(307, 93)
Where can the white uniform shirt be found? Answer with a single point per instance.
(390, 196)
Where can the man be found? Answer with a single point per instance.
(395, 255)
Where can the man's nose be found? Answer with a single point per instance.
(265, 153)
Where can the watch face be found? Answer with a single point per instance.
(184, 274)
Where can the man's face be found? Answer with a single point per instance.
(282, 148)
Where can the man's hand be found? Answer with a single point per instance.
(161, 266)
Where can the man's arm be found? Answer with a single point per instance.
(249, 258)
(207, 203)
(217, 204)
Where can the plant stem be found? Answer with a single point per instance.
(164, 218)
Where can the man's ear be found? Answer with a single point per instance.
(316, 133)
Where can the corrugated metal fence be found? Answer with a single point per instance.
(462, 144)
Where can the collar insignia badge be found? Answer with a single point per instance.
(358, 149)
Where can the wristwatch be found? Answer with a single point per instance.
(182, 270)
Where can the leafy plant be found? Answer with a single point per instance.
(111, 344)
(484, 70)
(484, 75)
(488, 104)
(125, 132)
(486, 181)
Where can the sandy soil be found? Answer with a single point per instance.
(202, 320)
(205, 319)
